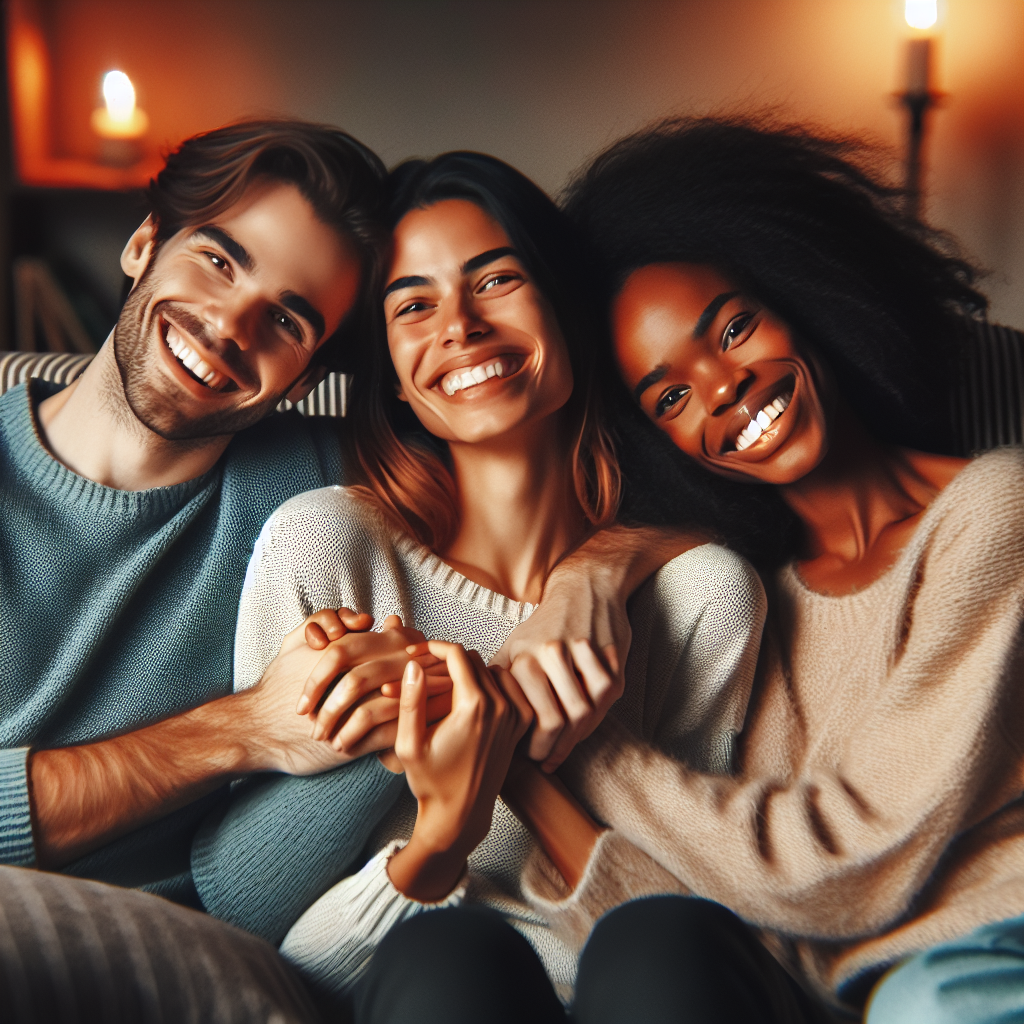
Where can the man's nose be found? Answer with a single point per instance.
(231, 320)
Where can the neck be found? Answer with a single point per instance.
(863, 497)
(91, 429)
(517, 508)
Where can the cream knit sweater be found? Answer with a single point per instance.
(877, 808)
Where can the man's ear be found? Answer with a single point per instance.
(139, 250)
(310, 377)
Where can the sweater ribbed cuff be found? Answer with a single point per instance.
(16, 845)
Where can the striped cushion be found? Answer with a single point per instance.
(329, 398)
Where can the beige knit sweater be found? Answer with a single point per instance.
(878, 808)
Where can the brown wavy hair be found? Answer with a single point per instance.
(406, 469)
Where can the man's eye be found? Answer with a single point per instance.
(670, 398)
(282, 320)
(218, 261)
(735, 330)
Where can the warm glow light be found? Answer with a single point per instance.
(921, 13)
(119, 94)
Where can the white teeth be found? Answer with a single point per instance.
(460, 380)
(191, 359)
(764, 419)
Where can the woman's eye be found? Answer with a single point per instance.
(670, 398)
(412, 307)
(218, 261)
(735, 330)
(493, 282)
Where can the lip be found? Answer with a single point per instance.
(195, 386)
(774, 435)
(475, 358)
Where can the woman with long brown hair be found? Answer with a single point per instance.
(484, 460)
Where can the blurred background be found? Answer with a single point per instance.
(544, 84)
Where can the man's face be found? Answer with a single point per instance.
(226, 317)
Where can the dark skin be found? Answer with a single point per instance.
(705, 362)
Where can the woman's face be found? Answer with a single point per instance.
(476, 347)
(719, 374)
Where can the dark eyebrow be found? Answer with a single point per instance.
(476, 262)
(705, 319)
(405, 282)
(647, 380)
(302, 307)
(235, 250)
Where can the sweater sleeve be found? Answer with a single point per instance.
(331, 944)
(17, 847)
(838, 847)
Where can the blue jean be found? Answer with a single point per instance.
(978, 979)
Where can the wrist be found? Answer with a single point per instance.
(425, 872)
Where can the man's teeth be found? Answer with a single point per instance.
(191, 359)
(459, 381)
(761, 422)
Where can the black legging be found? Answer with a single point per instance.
(661, 960)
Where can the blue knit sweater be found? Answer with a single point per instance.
(118, 610)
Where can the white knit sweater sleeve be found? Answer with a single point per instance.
(331, 944)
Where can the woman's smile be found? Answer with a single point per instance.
(719, 374)
(475, 344)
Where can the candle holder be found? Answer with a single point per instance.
(919, 97)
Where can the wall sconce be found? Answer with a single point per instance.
(120, 124)
(921, 16)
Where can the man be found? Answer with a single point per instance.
(132, 501)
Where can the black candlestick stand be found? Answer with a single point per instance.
(918, 104)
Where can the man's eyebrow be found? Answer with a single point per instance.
(705, 319)
(476, 262)
(648, 379)
(302, 307)
(405, 282)
(235, 250)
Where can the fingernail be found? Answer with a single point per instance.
(303, 706)
(409, 675)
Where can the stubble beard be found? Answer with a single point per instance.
(144, 390)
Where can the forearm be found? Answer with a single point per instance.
(83, 797)
(625, 556)
(565, 831)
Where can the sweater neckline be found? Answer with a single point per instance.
(29, 453)
(461, 587)
(792, 581)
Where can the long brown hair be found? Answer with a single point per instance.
(405, 468)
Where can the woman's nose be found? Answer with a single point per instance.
(723, 386)
(463, 323)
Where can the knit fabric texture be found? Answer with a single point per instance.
(119, 608)
(697, 628)
(877, 808)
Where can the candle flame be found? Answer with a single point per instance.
(921, 14)
(119, 94)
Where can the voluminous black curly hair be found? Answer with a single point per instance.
(805, 223)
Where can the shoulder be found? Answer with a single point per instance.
(341, 514)
(713, 576)
(978, 518)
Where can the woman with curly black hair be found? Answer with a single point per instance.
(783, 322)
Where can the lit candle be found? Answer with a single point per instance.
(120, 118)
(921, 15)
